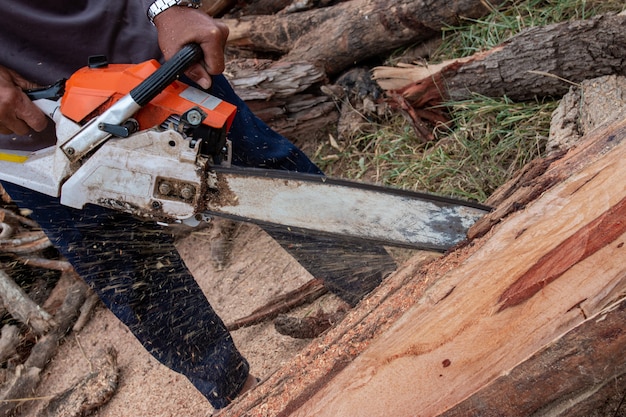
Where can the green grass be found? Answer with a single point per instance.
(514, 16)
(487, 140)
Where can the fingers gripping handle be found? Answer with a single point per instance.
(166, 74)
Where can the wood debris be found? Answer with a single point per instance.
(42, 298)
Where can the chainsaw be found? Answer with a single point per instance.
(133, 137)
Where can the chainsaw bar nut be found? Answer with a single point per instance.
(194, 117)
(187, 192)
(165, 188)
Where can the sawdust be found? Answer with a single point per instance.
(259, 270)
(222, 196)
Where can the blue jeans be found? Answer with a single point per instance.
(138, 274)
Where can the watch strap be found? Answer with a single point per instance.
(159, 6)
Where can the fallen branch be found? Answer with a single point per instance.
(10, 214)
(22, 308)
(26, 242)
(91, 392)
(8, 342)
(338, 36)
(282, 304)
(39, 262)
(28, 375)
(85, 311)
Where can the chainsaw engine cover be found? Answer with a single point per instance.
(90, 91)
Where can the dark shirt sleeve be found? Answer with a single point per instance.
(48, 40)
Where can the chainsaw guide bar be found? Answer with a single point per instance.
(341, 208)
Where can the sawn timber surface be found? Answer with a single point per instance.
(458, 336)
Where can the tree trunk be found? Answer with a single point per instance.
(586, 377)
(275, 91)
(539, 62)
(336, 37)
(536, 301)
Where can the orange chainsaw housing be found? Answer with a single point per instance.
(90, 91)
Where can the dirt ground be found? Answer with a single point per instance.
(259, 270)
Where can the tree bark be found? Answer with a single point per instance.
(339, 36)
(539, 62)
(264, 79)
(277, 93)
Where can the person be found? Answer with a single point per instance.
(132, 265)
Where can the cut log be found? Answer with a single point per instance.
(577, 382)
(300, 118)
(264, 79)
(276, 93)
(264, 7)
(217, 7)
(338, 36)
(582, 109)
(508, 308)
(539, 62)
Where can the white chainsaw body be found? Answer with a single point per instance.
(156, 173)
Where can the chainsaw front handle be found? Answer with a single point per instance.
(166, 74)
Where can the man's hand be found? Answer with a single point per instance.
(178, 26)
(17, 113)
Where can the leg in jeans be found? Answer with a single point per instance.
(140, 277)
(351, 270)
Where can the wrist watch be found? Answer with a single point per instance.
(160, 6)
